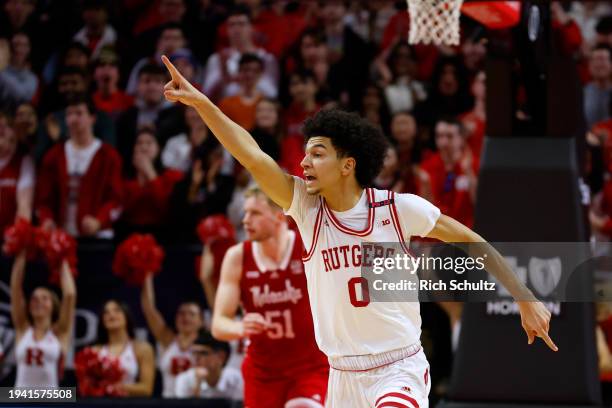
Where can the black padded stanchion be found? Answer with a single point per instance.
(530, 190)
(533, 195)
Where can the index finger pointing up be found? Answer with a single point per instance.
(174, 73)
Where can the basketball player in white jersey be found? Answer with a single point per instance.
(43, 327)
(373, 348)
(175, 356)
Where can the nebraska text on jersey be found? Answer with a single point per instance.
(266, 296)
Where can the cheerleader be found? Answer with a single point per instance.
(116, 338)
(175, 356)
(43, 327)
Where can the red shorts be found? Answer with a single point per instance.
(273, 391)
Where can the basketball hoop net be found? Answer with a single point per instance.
(434, 21)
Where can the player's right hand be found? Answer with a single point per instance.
(178, 89)
(253, 324)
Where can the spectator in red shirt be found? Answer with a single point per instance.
(475, 120)
(451, 172)
(16, 178)
(147, 189)
(79, 185)
(565, 29)
(303, 91)
(404, 137)
(275, 27)
(241, 106)
(109, 97)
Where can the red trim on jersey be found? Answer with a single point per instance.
(393, 404)
(315, 235)
(377, 367)
(369, 227)
(396, 224)
(426, 376)
(397, 404)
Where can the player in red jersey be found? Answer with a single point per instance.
(283, 366)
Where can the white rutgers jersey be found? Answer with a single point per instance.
(345, 323)
(38, 362)
(172, 362)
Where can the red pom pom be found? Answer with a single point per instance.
(136, 257)
(57, 246)
(214, 228)
(97, 375)
(20, 237)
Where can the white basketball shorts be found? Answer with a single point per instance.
(398, 378)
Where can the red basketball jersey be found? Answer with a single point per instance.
(280, 295)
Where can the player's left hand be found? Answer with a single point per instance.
(253, 324)
(535, 319)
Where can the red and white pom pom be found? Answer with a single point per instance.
(218, 233)
(20, 237)
(97, 375)
(138, 256)
(57, 246)
(214, 228)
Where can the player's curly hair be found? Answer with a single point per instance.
(351, 136)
